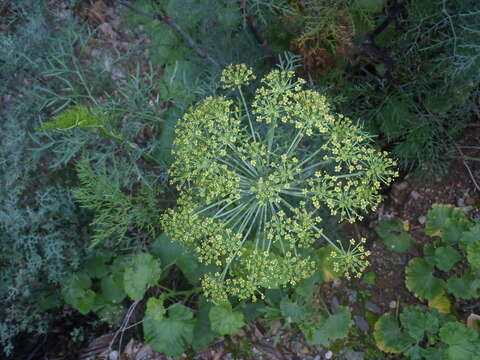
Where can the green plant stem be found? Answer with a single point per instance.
(248, 113)
(210, 206)
(295, 141)
(246, 220)
(325, 237)
(235, 211)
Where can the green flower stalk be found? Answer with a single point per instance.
(252, 179)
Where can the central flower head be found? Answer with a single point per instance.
(253, 178)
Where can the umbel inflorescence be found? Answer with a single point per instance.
(253, 178)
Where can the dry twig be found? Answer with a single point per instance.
(464, 160)
(163, 17)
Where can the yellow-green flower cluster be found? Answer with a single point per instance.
(212, 241)
(252, 179)
(351, 261)
(272, 99)
(295, 231)
(254, 271)
(236, 75)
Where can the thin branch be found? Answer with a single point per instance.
(163, 17)
(468, 168)
(256, 33)
(199, 50)
(124, 326)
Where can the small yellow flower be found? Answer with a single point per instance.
(234, 76)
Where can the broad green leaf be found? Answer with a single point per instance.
(274, 296)
(445, 221)
(80, 116)
(167, 250)
(414, 352)
(80, 280)
(291, 310)
(323, 259)
(433, 353)
(172, 252)
(393, 234)
(203, 333)
(155, 309)
(84, 302)
(417, 322)
(144, 271)
(112, 288)
(95, 266)
(446, 257)
(420, 280)
(454, 229)
(441, 303)
(473, 254)
(172, 334)
(225, 320)
(306, 287)
(166, 47)
(333, 327)
(463, 342)
(119, 264)
(472, 235)
(80, 299)
(252, 310)
(388, 336)
(76, 292)
(429, 254)
(465, 287)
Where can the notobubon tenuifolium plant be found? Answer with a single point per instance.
(253, 178)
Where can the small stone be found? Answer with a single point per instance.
(352, 297)
(328, 354)
(113, 355)
(373, 307)
(318, 357)
(337, 283)
(402, 260)
(353, 355)
(460, 202)
(7, 98)
(393, 304)
(305, 351)
(415, 195)
(361, 323)
(144, 353)
(335, 303)
(422, 219)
